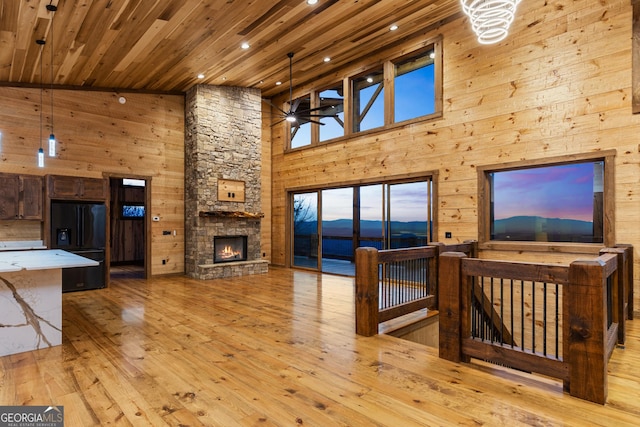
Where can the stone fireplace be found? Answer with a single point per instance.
(222, 182)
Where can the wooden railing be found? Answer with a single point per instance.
(392, 283)
(555, 320)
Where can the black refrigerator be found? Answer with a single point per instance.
(80, 228)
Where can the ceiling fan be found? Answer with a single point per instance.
(297, 115)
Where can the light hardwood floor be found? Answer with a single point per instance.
(277, 350)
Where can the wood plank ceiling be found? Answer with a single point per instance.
(162, 45)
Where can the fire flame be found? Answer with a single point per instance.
(228, 252)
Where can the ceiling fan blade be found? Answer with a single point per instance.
(309, 110)
(296, 104)
(302, 121)
(274, 106)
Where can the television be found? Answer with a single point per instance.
(132, 211)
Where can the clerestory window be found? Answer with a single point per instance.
(399, 90)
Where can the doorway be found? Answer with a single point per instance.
(128, 225)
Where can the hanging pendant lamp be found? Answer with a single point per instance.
(41, 150)
(490, 19)
(52, 138)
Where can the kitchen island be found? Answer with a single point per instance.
(31, 298)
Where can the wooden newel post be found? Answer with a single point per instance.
(618, 292)
(367, 291)
(450, 305)
(587, 331)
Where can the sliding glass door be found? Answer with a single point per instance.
(408, 215)
(337, 231)
(305, 230)
(384, 216)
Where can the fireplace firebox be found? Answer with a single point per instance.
(229, 248)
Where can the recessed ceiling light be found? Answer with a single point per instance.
(224, 78)
(278, 83)
(327, 59)
(312, 1)
(393, 27)
(432, 55)
(201, 76)
(369, 80)
(245, 45)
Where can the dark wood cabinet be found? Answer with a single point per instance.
(76, 188)
(31, 191)
(21, 197)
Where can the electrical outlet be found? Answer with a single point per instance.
(166, 232)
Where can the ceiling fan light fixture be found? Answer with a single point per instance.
(291, 118)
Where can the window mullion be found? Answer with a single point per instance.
(389, 76)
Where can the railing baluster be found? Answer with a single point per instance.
(533, 316)
(511, 315)
(544, 318)
(493, 304)
(482, 331)
(557, 321)
(501, 310)
(522, 341)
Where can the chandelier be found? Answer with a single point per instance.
(490, 19)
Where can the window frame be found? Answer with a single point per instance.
(318, 101)
(289, 126)
(484, 204)
(388, 67)
(437, 80)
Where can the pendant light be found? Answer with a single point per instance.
(490, 19)
(41, 42)
(52, 138)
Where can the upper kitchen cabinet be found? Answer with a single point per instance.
(21, 197)
(76, 188)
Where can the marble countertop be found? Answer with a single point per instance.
(21, 245)
(41, 260)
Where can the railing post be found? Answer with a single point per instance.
(450, 305)
(473, 253)
(628, 272)
(618, 292)
(367, 284)
(587, 356)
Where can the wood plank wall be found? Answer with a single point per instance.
(100, 136)
(559, 84)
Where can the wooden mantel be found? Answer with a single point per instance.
(231, 214)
